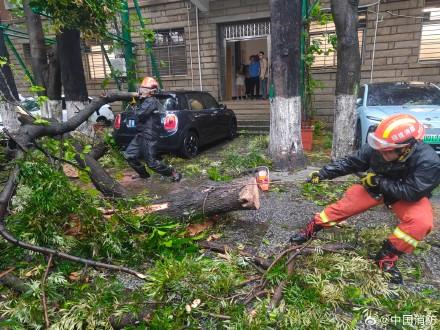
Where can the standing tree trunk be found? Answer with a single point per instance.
(8, 90)
(285, 145)
(72, 74)
(45, 65)
(37, 46)
(345, 15)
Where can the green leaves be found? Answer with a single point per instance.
(91, 17)
(41, 122)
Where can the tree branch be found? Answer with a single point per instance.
(43, 294)
(5, 197)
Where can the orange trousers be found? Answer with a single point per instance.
(416, 218)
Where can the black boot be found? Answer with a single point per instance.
(386, 260)
(176, 176)
(139, 168)
(305, 234)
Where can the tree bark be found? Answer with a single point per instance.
(285, 146)
(240, 194)
(345, 15)
(72, 73)
(108, 186)
(37, 46)
(72, 70)
(54, 81)
(8, 91)
(45, 65)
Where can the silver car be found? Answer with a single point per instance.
(380, 100)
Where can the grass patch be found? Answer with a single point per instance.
(243, 153)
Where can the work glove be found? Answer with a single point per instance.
(371, 182)
(315, 178)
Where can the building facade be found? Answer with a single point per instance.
(203, 44)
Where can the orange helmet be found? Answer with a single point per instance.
(395, 132)
(148, 85)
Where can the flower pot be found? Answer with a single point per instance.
(307, 137)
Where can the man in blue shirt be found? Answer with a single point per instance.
(254, 75)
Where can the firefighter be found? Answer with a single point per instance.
(401, 171)
(143, 145)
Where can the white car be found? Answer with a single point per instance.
(103, 115)
(380, 100)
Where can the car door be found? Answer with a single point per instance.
(218, 115)
(202, 117)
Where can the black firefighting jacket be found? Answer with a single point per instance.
(409, 180)
(148, 118)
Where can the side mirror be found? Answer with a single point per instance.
(359, 101)
(222, 106)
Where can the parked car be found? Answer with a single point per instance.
(379, 100)
(103, 115)
(190, 120)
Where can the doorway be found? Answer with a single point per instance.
(238, 42)
(238, 53)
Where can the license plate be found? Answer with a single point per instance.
(131, 123)
(432, 139)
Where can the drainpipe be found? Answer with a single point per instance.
(374, 43)
(198, 49)
(188, 10)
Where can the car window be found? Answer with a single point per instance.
(169, 103)
(402, 94)
(195, 102)
(209, 101)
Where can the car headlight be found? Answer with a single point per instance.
(374, 118)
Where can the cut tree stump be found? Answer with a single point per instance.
(240, 194)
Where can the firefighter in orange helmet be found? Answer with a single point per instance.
(401, 171)
(143, 145)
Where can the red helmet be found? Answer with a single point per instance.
(395, 132)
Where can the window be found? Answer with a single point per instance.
(98, 65)
(402, 94)
(430, 38)
(169, 103)
(170, 51)
(195, 101)
(209, 101)
(321, 34)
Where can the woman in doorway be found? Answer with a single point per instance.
(239, 83)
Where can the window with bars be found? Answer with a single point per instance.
(430, 38)
(170, 50)
(98, 65)
(322, 34)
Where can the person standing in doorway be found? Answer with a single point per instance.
(254, 73)
(240, 82)
(264, 68)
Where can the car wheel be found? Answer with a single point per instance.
(232, 133)
(190, 145)
(358, 136)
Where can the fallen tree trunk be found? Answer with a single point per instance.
(240, 194)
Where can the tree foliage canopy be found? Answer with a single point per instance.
(90, 16)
